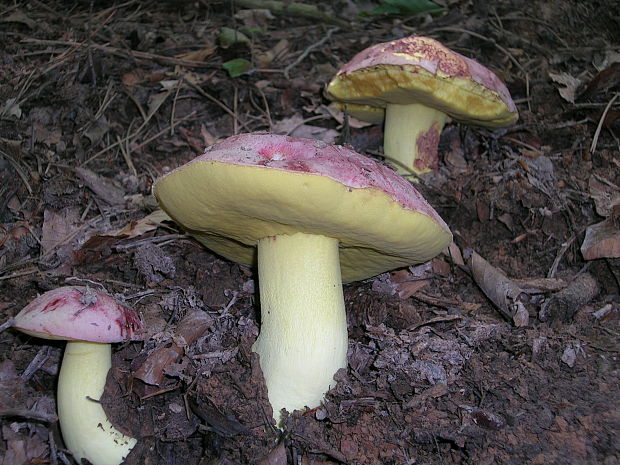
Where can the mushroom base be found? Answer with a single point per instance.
(86, 430)
(411, 137)
(303, 339)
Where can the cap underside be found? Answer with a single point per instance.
(229, 207)
(463, 99)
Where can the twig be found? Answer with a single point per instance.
(565, 246)
(17, 168)
(202, 92)
(139, 146)
(597, 133)
(150, 240)
(161, 59)
(28, 414)
(307, 51)
(43, 355)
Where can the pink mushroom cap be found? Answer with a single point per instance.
(252, 186)
(78, 313)
(419, 69)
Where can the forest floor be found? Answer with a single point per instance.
(98, 99)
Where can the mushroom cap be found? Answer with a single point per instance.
(422, 70)
(78, 313)
(253, 186)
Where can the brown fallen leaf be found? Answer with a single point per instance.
(602, 241)
(139, 227)
(191, 327)
(507, 295)
(277, 456)
(103, 188)
(607, 79)
(605, 194)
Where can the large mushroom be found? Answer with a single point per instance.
(312, 215)
(89, 321)
(416, 84)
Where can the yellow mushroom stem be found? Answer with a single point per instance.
(303, 336)
(411, 137)
(86, 430)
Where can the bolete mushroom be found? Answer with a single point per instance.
(90, 321)
(312, 215)
(415, 84)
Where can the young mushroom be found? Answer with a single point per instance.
(312, 215)
(89, 321)
(416, 84)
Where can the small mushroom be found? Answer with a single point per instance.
(416, 84)
(90, 321)
(312, 215)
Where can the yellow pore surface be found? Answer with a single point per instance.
(230, 207)
(463, 99)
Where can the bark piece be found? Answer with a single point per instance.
(562, 306)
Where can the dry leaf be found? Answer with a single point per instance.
(605, 195)
(569, 85)
(602, 241)
(102, 187)
(191, 327)
(507, 296)
(335, 112)
(138, 227)
(197, 55)
(295, 127)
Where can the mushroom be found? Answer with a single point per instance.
(90, 321)
(416, 84)
(312, 215)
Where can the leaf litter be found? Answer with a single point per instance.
(97, 102)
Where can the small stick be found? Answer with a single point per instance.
(307, 51)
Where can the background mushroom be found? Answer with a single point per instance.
(89, 320)
(312, 215)
(416, 83)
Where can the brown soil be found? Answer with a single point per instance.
(98, 99)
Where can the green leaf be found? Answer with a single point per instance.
(404, 7)
(237, 67)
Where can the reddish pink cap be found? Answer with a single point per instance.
(419, 69)
(78, 313)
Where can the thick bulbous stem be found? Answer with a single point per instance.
(411, 137)
(86, 430)
(303, 338)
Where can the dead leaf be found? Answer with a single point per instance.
(277, 456)
(96, 130)
(605, 194)
(139, 227)
(568, 83)
(45, 135)
(607, 79)
(58, 226)
(335, 112)
(295, 127)
(191, 327)
(602, 241)
(507, 296)
(102, 187)
(200, 55)
(11, 108)
(156, 101)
